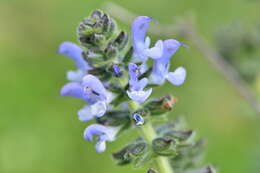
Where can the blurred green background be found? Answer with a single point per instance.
(39, 130)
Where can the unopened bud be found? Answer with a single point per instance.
(97, 14)
(85, 29)
(206, 169)
(116, 70)
(99, 39)
(161, 106)
(122, 156)
(168, 103)
(111, 51)
(109, 26)
(121, 41)
(115, 118)
(180, 135)
(101, 72)
(138, 149)
(128, 56)
(94, 31)
(164, 146)
(132, 151)
(151, 171)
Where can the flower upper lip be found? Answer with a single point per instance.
(85, 91)
(141, 44)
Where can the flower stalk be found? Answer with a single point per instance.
(162, 162)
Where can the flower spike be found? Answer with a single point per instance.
(116, 84)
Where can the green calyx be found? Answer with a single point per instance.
(164, 146)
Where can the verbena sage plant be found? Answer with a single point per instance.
(115, 77)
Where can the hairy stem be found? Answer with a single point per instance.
(149, 134)
(162, 162)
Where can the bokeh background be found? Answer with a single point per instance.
(39, 130)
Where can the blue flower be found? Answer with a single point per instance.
(89, 112)
(161, 66)
(136, 91)
(141, 44)
(74, 52)
(116, 70)
(138, 119)
(90, 89)
(103, 133)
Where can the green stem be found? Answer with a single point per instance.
(162, 162)
(149, 134)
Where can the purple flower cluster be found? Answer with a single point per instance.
(96, 93)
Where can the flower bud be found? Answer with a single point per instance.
(161, 106)
(136, 151)
(164, 128)
(180, 135)
(98, 39)
(151, 171)
(122, 156)
(210, 169)
(143, 159)
(115, 118)
(87, 29)
(164, 146)
(111, 51)
(116, 70)
(97, 14)
(86, 41)
(128, 56)
(92, 58)
(94, 31)
(109, 26)
(206, 169)
(121, 41)
(168, 103)
(101, 72)
(191, 154)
